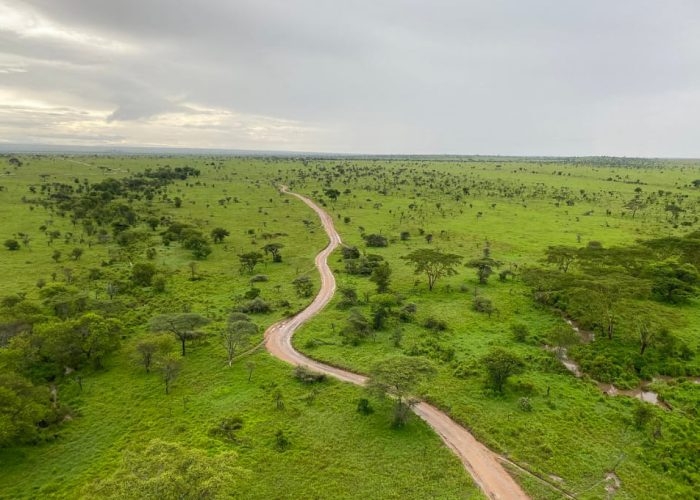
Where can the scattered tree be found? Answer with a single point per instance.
(218, 234)
(303, 286)
(433, 263)
(274, 250)
(400, 377)
(182, 325)
(500, 365)
(381, 276)
(237, 333)
(12, 245)
(249, 261)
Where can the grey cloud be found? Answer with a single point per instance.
(503, 76)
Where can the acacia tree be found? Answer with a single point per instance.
(218, 234)
(332, 194)
(148, 349)
(274, 250)
(634, 205)
(238, 332)
(249, 261)
(562, 256)
(433, 263)
(484, 267)
(182, 325)
(170, 367)
(400, 376)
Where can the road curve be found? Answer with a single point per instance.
(480, 462)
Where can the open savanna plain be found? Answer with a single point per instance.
(562, 428)
(550, 240)
(252, 430)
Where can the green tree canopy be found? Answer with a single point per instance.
(169, 470)
(400, 376)
(182, 325)
(433, 263)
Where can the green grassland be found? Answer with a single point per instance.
(572, 436)
(333, 451)
(573, 432)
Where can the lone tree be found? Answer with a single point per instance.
(76, 253)
(303, 286)
(484, 267)
(12, 245)
(148, 349)
(274, 250)
(237, 333)
(249, 261)
(170, 367)
(182, 325)
(332, 194)
(381, 276)
(400, 376)
(501, 364)
(433, 263)
(218, 234)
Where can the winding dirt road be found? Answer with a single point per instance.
(480, 462)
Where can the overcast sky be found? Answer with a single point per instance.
(556, 77)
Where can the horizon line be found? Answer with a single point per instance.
(44, 148)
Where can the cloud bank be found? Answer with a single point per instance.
(385, 76)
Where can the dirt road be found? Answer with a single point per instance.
(480, 462)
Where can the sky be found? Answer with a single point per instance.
(507, 77)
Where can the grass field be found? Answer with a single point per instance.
(333, 451)
(573, 436)
(574, 433)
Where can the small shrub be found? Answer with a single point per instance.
(375, 240)
(407, 312)
(524, 404)
(642, 414)
(259, 278)
(238, 316)
(350, 253)
(519, 331)
(483, 305)
(307, 376)
(349, 298)
(226, 429)
(527, 388)
(466, 369)
(255, 306)
(159, 283)
(252, 293)
(281, 441)
(12, 245)
(397, 337)
(142, 273)
(363, 407)
(434, 324)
